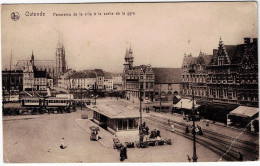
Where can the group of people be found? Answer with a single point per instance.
(146, 109)
(197, 130)
(145, 129)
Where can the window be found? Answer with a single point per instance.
(220, 61)
(120, 124)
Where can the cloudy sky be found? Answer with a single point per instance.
(158, 32)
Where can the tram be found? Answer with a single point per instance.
(35, 105)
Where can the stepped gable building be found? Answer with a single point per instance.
(233, 75)
(194, 75)
(167, 84)
(137, 77)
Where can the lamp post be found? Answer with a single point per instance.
(195, 157)
(95, 90)
(140, 98)
(81, 97)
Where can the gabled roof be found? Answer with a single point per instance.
(82, 74)
(99, 72)
(188, 60)
(167, 75)
(235, 53)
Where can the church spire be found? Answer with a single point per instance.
(32, 59)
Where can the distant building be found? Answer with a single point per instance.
(194, 75)
(136, 78)
(12, 81)
(54, 68)
(117, 82)
(167, 84)
(108, 82)
(82, 80)
(28, 77)
(40, 65)
(40, 80)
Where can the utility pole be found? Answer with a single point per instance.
(160, 99)
(195, 158)
(95, 90)
(140, 98)
(10, 75)
(81, 96)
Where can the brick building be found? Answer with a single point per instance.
(167, 83)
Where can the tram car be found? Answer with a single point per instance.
(42, 105)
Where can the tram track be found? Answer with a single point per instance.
(250, 145)
(214, 144)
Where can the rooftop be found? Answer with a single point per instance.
(116, 111)
(167, 75)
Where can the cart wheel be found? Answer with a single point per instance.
(156, 143)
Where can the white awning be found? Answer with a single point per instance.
(245, 111)
(186, 104)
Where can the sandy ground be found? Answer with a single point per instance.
(36, 139)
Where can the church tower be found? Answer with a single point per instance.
(129, 59)
(60, 59)
(32, 59)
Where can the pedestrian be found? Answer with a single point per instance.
(144, 125)
(187, 129)
(148, 110)
(207, 123)
(122, 154)
(158, 134)
(196, 130)
(172, 128)
(62, 146)
(125, 152)
(147, 130)
(141, 139)
(189, 159)
(241, 158)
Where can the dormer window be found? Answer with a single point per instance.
(220, 61)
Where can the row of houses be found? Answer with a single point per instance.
(90, 80)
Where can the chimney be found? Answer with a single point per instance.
(255, 40)
(247, 40)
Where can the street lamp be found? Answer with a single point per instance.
(95, 90)
(195, 157)
(140, 98)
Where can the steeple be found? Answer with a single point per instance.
(126, 54)
(32, 59)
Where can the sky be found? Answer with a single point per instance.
(157, 32)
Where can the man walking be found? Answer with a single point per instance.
(62, 146)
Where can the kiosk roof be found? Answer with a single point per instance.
(116, 111)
